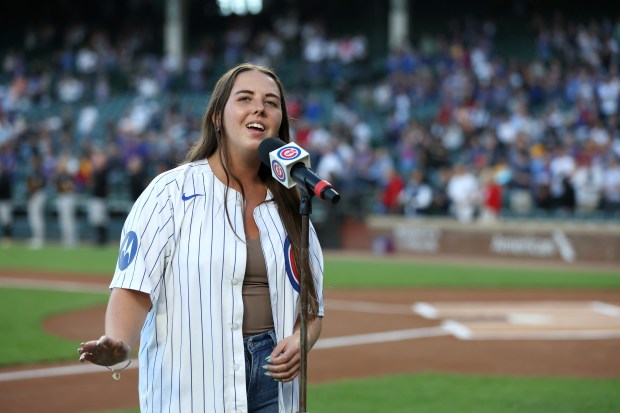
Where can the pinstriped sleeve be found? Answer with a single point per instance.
(146, 240)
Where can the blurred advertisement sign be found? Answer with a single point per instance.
(535, 246)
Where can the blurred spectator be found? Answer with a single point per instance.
(6, 204)
(390, 192)
(588, 180)
(87, 119)
(97, 204)
(464, 193)
(66, 200)
(36, 183)
(562, 168)
(70, 89)
(440, 205)
(417, 196)
(336, 163)
(287, 26)
(608, 93)
(102, 88)
(138, 176)
(611, 185)
(491, 196)
(520, 184)
(541, 179)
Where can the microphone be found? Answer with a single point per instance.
(290, 165)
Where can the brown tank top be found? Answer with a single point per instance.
(257, 316)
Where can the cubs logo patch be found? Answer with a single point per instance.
(288, 153)
(278, 171)
(289, 264)
(128, 250)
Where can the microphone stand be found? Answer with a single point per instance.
(305, 209)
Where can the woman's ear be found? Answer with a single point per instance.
(216, 122)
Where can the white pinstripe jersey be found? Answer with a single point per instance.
(178, 246)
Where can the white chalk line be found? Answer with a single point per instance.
(607, 309)
(380, 338)
(464, 332)
(368, 307)
(47, 372)
(322, 344)
(51, 285)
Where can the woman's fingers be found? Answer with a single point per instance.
(286, 373)
(104, 352)
(87, 350)
(285, 360)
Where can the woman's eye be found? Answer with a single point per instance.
(272, 103)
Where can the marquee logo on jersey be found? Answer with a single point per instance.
(289, 263)
(288, 153)
(128, 250)
(278, 171)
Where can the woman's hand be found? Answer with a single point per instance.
(105, 352)
(285, 360)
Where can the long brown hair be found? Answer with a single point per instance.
(213, 136)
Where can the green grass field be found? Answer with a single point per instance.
(341, 272)
(24, 341)
(449, 393)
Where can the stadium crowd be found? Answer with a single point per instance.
(449, 125)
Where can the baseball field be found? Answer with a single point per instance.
(401, 334)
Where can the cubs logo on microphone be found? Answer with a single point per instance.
(278, 171)
(289, 264)
(288, 153)
(283, 159)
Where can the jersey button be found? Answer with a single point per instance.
(235, 326)
(235, 281)
(236, 366)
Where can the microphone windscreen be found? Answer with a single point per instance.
(267, 146)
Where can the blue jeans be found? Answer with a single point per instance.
(262, 390)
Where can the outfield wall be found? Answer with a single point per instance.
(569, 242)
(557, 241)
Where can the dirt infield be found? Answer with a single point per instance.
(368, 333)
